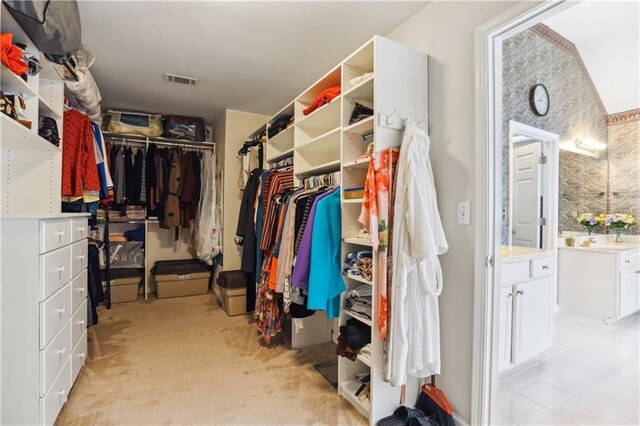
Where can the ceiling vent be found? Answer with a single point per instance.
(180, 79)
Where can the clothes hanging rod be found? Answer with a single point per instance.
(193, 145)
(159, 141)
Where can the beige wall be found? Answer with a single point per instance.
(230, 131)
(445, 31)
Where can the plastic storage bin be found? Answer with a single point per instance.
(233, 289)
(125, 289)
(176, 278)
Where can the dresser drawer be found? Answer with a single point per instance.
(54, 234)
(543, 267)
(55, 271)
(79, 290)
(53, 358)
(629, 259)
(78, 323)
(79, 259)
(79, 229)
(54, 314)
(514, 272)
(52, 402)
(78, 357)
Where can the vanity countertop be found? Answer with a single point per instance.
(612, 248)
(514, 253)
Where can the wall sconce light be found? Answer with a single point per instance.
(589, 147)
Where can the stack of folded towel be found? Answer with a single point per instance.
(359, 300)
(358, 264)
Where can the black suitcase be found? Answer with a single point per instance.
(232, 279)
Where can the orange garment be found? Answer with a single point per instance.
(11, 55)
(274, 260)
(322, 99)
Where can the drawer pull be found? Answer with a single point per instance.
(81, 355)
(62, 393)
(82, 229)
(627, 261)
(60, 234)
(545, 267)
(61, 351)
(62, 310)
(82, 258)
(82, 289)
(637, 272)
(512, 294)
(519, 292)
(60, 271)
(81, 322)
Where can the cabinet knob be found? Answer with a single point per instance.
(60, 234)
(62, 393)
(81, 355)
(637, 272)
(81, 289)
(61, 351)
(81, 322)
(519, 292)
(82, 229)
(60, 271)
(545, 267)
(512, 294)
(62, 310)
(627, 261)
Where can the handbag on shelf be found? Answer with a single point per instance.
(6, 106)
(48, 130)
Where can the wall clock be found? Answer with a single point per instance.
(539, 100)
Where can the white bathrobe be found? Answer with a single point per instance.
(418, 239)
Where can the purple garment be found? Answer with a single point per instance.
(301, 266)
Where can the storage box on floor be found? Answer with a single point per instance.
(125, 284)
(175, 278)
(233, 292)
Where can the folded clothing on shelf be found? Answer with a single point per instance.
(359, 264)
(323, 98)
(353, 337)
(359, 300)
(359, 79)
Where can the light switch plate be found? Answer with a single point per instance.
(463, 213)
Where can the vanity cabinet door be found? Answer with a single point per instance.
(505, 327)
(629, 292)
(532, 318)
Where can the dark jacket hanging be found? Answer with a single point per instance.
(151, 178)
(137, 177)
(245, 228)
(130, 185)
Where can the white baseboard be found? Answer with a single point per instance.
(459, 420)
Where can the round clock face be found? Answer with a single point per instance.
(539, 100)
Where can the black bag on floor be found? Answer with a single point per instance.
(232, 279)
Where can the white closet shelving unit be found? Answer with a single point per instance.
(44, 254)
(30, 166)
(324, 142)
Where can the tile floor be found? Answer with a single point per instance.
(589, 376)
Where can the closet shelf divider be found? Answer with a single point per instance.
(323, 143)
(362, 127)
(325, 117)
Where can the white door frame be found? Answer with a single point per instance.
(488, 190)
(551, 149)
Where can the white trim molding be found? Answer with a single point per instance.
(488, 108)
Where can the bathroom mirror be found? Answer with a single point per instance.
(530, 210)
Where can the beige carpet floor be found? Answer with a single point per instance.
(184, 361)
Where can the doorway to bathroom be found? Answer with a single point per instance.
(558, 329)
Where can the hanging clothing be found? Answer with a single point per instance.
(418, 239)
(172, 208)
(119, 174)
(206, 234)
(79, 171)
(151, 178)
(138, 173)
(325, 276)
(300, 277)
(129, 175)
(245, 230)
(375, 216)
(188, 189)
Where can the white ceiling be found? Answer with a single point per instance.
(249, 56)
(607, 35)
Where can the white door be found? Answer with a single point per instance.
(505, 327)
(527, 189)
(532, 318)
(629, 282)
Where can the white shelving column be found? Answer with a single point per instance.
(30, 166)
(397, 85)
(324, 142)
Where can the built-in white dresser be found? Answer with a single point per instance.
(44, 313)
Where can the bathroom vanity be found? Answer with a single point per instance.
(527, 295)
(601, 281)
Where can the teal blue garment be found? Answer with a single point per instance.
(325, 278)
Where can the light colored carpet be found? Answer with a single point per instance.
(184, 361)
